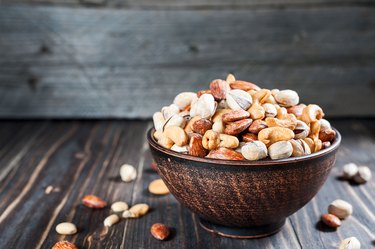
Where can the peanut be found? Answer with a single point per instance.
(66, 228)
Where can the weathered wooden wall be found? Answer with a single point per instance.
(78, 61)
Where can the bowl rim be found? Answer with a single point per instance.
(263, 162)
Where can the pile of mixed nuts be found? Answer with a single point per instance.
(237, 120)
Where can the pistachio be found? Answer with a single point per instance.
(300, 148)
(350, 243)
(255, 150)
(363, 175)
(296, 110)
(239, 148)
(222, 104)
(204, 107)
(340, 208)
(280, 150)
(180, 149)
(350, 170)
(169, 111)
(275, 134)
(175, 120)
(184, 99)
(324, 125)
(301, 130)
(159, 120)
(238, 99)
(287, 98)
(270, 110)
(230, 78)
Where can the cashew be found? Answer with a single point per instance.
(177, 135)
(159, 120)
(302, 130)
(165, 141)
(314, 130)
(158, 134)
(275, 134)
(204, 107)
(210, 140)
(312, 113)
(169, 111)
(256, 111)
(180, 149)
(288, 121)
(287, 98)
(281, 112)
(238, 99)
(255, 150)
(228, 141)
(262, 96)
(184, 99)
(280, 150)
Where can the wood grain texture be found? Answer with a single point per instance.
(83, 157)
(94, 63)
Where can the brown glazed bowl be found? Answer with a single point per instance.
(243, 199)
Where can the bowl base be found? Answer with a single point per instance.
(242, 233)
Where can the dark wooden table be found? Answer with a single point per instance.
(83, 157)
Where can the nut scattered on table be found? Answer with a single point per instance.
(111, 220)
(128, 173)
(331, 220)
(66, 228)
(350, 243)
(136, 211)
(64, 245)
(158, 187)
(160, 231)
(363, 175)
(203, 121)
(119, 206)
(349, 171)
(93, 201)
(340, 208)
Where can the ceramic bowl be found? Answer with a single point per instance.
(243, 199)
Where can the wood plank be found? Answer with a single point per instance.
(64, 62)
(79, 158)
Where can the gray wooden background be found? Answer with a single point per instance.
(127, 58)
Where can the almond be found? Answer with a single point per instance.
(64, 245)
(257, 126)
(331, 220)
(327, 135)
(237, 127)
(195, 146)
(219, 89)
(160, 231)
(93, 201)
(249, 137)
(235, 115)
(226, 154)
(201, 126)
(244, 85)
(296, 110)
